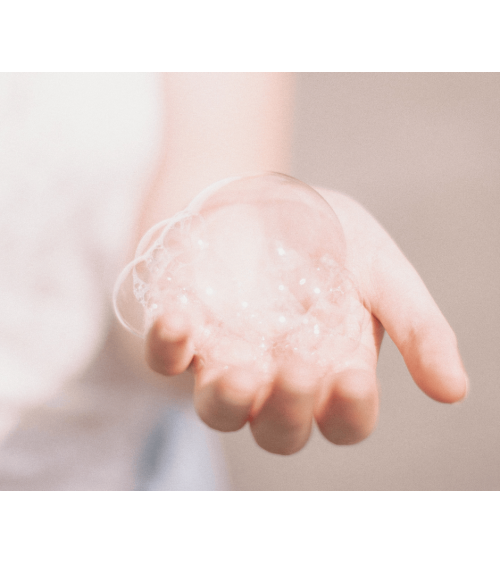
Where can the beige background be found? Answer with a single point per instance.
(421, 152)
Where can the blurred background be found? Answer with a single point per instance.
(422, 153)
(419, 151)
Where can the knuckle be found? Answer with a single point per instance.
(348, 436)
(353, 390)
(223, 404)
(235, 390)
(281, 441)
(221, 418)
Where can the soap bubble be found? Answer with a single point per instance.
(259, 262)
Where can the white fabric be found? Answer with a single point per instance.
(75, 152)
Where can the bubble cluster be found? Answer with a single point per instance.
(258, 261)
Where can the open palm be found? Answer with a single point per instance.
(344, 402)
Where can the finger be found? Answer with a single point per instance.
(169, 348)
(284, 422)
(348, 410)
(412, 319)
(223, 397)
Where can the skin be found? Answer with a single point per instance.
(247, 117)
(344, 404)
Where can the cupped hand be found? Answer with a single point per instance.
(281, 407)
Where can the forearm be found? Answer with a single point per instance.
(217, 125)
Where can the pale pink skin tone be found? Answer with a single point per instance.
(344, 403)
(235, 124)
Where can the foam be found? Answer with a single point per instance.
(258, 264)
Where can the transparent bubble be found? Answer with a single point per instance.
(258, 261)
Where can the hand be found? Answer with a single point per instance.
(344, 403)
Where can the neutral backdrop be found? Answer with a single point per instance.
(422, 153)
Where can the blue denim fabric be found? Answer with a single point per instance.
(181, 454)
